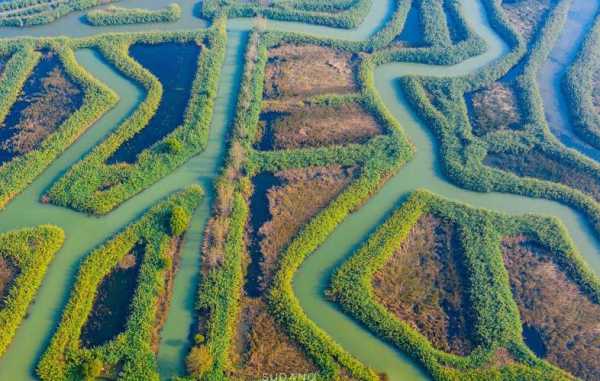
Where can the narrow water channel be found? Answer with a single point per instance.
(579, 21)
(84, 232)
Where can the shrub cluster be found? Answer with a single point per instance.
(113, 15)
(130, 350)
(31, 251)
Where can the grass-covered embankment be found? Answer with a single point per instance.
(30, 252)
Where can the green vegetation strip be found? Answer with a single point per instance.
(95, 187)
(130, 351)
(31, 251)
(114, 15)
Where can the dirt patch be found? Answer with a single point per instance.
(262, 350)
(305, 70)
(47, 100)
(422, 284)
(8, 273)
(560, 323)
(542, 165)
(111, 308)
(295, 197)
(304, 126)
(525, 15)
(493, 109)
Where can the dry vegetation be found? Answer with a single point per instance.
(493, 108)
(561, 323)
(302, 126)
(525, 15)
(423, 285)
(542, 165)
(54, 99)
(262, 350)
(47, 101)
(8, 273)
(302, 71)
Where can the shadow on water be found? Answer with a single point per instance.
(533, 339)
(259, 215)
(412, 33)
(112, 304)
(176, 75)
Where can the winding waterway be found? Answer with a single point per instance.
(84, 232)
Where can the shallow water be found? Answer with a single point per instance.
(84, 233)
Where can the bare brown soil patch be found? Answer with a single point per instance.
(563, 321)
(262, 349)
(542, 165)
(422, 284)
(493, 109)
(48, 98)
(304, 126)
(525, 15)
(8, 273)
(305, 70)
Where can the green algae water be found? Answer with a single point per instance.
(84, 232)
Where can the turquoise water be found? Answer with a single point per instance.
(84, 232)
